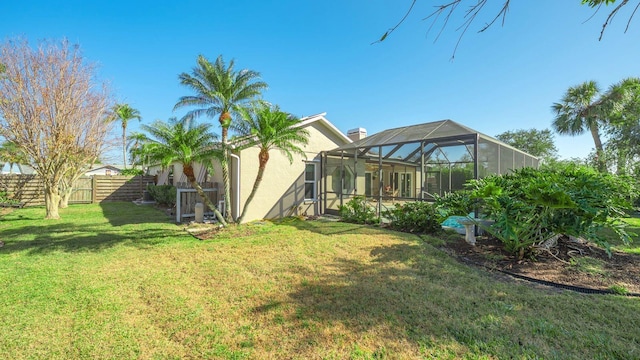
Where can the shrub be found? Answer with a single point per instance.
(415, 217)
(5, 200)
(358, 211)
(458, 203)
(529, 206)
(131, 172)
(163, 194)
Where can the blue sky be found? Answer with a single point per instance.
(317, 56)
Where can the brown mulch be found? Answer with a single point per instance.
(619, 269)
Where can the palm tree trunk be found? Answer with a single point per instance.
(188, 171)
(264, 158)
(124, 145)
(225, 120)
(601, 161)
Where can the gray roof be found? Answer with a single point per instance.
(443, 133)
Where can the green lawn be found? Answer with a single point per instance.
(120, 281)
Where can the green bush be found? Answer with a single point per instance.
(4, 199)
(131, 172)
(163, 194)
(529, 206)
(414, 217)
(358, 211)
(457, 203)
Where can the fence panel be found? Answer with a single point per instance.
(119, 188)
(82, 192)
(29, 189)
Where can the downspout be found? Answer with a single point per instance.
(237, 192)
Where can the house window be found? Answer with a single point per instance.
(107, 172)
(310, 182)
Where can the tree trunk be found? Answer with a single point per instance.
(65, 194)
(124, 145)
(188, 172)
(621, 162)
(263, 159)
(225, 121)
(51, 201)
(600, 160)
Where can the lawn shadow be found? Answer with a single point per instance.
(117, 224)
(48, 238)
(120, 213)
(409, 293)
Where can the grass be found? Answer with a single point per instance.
(633, 229)
(120, 281)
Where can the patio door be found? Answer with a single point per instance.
(402, 184)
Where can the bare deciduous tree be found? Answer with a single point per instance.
(53, 108)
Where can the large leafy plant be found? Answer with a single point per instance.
(530, 206)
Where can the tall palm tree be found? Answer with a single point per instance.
(268, 128)
(220, 90)
(124, 113)
(184, 142)
(582, 109)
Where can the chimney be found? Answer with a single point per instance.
(357, 134)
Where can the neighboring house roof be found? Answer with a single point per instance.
(106, 166)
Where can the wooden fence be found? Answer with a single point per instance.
(29, 190)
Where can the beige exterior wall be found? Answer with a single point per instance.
(281, 192)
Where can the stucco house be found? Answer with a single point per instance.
(286, 188)
(411, 163)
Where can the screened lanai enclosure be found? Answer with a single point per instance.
(414, 163)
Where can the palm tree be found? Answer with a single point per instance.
(269, 128)
(184, 142)
(12, 154)
(623, 102)
(124, 113)
(220, 90)
(579, 110)
(136, 154)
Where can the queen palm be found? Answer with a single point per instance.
(268, 128)
(124, 113)
(582, 109)
(220, 90)
(184, 142)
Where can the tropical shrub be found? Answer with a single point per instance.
(163, 194)
(414, 217)
(358, 211)
(530, 206)
(458, 203)
(131, 172)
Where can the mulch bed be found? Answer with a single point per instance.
(620, 269)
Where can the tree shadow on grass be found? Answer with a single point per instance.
(120, 213)
(414, 294)
(50, 238)
(116, 224)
